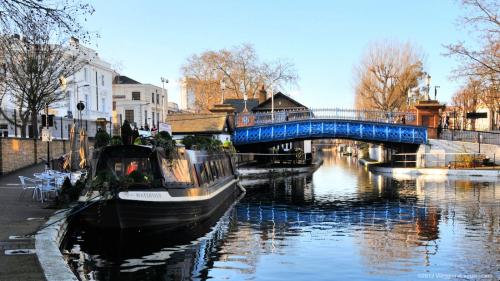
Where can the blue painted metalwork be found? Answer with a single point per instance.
(330, 128)
(394, 213)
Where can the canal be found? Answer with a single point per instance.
(340, 223)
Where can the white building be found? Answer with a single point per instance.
(143, 105)
(173, 107)
(92, 85)
(490, 123)
(188, 96)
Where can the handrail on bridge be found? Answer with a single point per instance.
(252, 119)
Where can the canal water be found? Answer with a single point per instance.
(340, 223)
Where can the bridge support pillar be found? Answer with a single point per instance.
(379, 152)
(373, 151)
(382, 153)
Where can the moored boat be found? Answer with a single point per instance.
(136, 186)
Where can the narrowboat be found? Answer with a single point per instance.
(136, 186)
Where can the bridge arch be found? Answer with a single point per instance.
(367, 131)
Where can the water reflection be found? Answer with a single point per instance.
(342, 222)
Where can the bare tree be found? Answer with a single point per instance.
(34, 62)
(386, 74)
(61, 14)
(490, 98)
(482, 19)
(468, 99)
(241, 71)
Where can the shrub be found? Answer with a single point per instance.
(202, 143)
(163, 135)
(69, 193)
(102, 138)
(164, 140)
(116, 140)
(126, 132)
(465, 160)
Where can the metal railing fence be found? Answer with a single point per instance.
(288, 157)
(470, 136)
(250, 119)
(59, 130)
(442, 160)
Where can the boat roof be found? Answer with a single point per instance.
(126, 150)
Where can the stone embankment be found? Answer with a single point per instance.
(439, 172)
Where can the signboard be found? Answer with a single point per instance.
(164, 127)
(477, 115)
(245, 120)
(46, 135)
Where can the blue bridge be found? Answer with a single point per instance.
(369, 126)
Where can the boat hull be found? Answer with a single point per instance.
(119, 213)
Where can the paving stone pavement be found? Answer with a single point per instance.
(20, 217)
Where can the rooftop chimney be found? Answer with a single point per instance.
(262, 95)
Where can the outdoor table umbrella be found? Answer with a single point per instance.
(69, 160)
(84, 149)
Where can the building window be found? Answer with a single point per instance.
(153, 115)
(103, 104)
(146, 117)
(102, 79)
(152, 97)
(85, 74)
(158, 98)
(114, 105)
(158, 117)
(129, 115)
(87, 104)
(136, 95)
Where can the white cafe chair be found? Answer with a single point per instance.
(30, 184)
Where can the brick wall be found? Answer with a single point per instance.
(18, 153)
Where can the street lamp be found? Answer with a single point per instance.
(454, 119)
(80, 106)
(163, 81)
(428, 83)
(272, 103)
(140, 109)
(245, 98)
(411, 97)
(222, 89)
(77, 88)
(436, 92)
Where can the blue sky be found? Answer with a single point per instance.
(324, 39)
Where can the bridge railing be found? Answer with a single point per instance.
(252, 119)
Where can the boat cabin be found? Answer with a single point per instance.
(148, 167)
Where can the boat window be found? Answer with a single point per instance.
(202, 174)
(209, 172)
(137, 168)
(220, 173)
(215, 173)
(175, 171)
(226, 166)
(221, 168)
